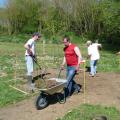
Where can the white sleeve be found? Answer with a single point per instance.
(99, 45)
(29, 42)
(89, 51)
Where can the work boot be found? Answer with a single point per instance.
(32, 87)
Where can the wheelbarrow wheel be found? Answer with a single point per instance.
(41, 102)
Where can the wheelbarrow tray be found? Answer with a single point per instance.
(51, 90)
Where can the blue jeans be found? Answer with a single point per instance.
(71, 85)
(93, 66)
(29, 64)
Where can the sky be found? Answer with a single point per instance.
(2, 3)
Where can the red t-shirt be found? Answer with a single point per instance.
(70, 55)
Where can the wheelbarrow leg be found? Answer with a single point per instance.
(63, 99)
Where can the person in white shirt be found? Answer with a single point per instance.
(118, 53)
(29, 57)
(94, 55)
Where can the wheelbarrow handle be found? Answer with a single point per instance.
(59, 73)
(36, 62)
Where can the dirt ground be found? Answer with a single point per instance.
(103, 89)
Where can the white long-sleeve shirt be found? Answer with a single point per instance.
(93, 51)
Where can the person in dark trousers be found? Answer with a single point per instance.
(30, 57)
(72, 58)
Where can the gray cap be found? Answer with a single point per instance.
(37, 34)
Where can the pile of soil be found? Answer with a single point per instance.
(46, 83)
(52, 83)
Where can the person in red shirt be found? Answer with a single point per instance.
(72, 58)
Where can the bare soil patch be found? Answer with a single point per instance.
(103, 89)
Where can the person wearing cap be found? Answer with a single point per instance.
(29, 58)
(72, 57)
(118, 53)
(93, 55)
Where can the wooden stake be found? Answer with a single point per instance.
(84, 77)
(19, 90)
(84, 85)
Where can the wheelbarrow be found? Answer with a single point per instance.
(42, 100)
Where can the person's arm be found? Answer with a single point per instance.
(78, 53)
(99, 46)
(89, 53)
(118, 53)
(28, 48)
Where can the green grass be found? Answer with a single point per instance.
(20, 38)
(9, 95)
(88, 112)
(109, 62)
(12, 64)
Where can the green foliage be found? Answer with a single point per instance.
(53, 24)
(88, 112)
(111, 18)
(74, 38)
(91, 19)
(19, 38)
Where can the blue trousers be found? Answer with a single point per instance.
(71, 85)
(93, 66)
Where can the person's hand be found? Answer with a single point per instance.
(99, 47)
(118, 53)
(30, 52)
(82, 61)
(77, 68)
